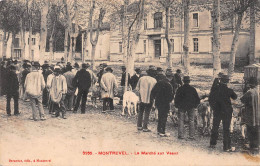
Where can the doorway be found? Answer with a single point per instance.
(157, 47)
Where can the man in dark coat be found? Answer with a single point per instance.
(251, 115)
(163, 95)
(216, 81)
(178, 79)
(134, 79)
(186, 100)
(220, 102)
(12, 89)
(82, 81)
(101, 71)
(159, 74)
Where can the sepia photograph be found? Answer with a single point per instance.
(129, 82)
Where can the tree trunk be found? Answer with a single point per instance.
(12, 45)
(44, 12)
(93, 51)
(22, 39)
(85, 46)
(216, 38)
(66, 45)
(30, 40)
(70, 50)
(234, 45)
(73, 48)
(51, 48)
(169, 43)
(186, 43)
(252, 34)
(4, 46)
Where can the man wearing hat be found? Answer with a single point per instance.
(145, 86)
(12, 90)
(82, 81)
(108, 85)
(216, 81)
(69, 75)
(163, 95)
(186, 100)
(159, 74)
(251, 115)
(134, 79)
(220, 101)
(58, 90)
(34, 85)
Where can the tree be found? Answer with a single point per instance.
(170, 7)
(238, 7)
(186, 45)
(216, 37)
(43, 34)
(94, 41)
(10, 22)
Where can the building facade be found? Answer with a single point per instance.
(152, 45)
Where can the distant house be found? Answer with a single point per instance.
(152, 45)
(17, 46)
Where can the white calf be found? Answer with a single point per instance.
(129, 98)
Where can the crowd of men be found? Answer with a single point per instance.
(62, 87)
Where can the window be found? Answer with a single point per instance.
(172, 42)
(158, 20)
(171, 21)
(33, 41)
(16, 42)
(120, 47)
(145, 23)
(144, 46)
(195, 18)
(32, 55)
(195, 45)
(210, 19)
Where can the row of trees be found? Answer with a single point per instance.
(86, 17)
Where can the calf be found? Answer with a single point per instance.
(130, 98)
(205, 114)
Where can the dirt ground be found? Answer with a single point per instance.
(92, 138)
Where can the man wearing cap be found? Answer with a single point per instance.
(251, 116)
(108, 85)
(12, 91)
(134, 79)
(82, 81)
(186, 100)
(159, 74)
(34, 85)
(69, 75)
(58, 90)
(145, 86)
(163, 95)
(92, 75)
(220, 102)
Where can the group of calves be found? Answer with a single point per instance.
(203, 114)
